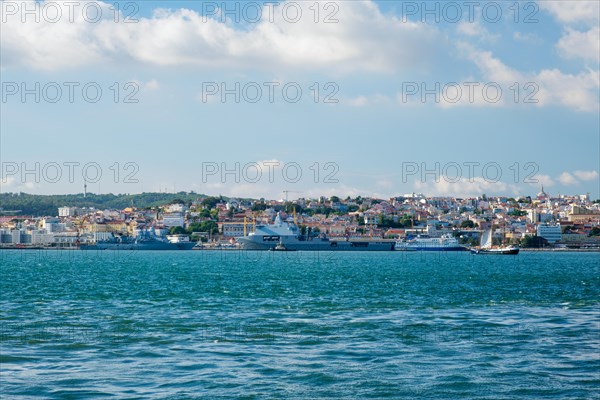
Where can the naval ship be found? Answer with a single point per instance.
(145, 241)
(284, 235)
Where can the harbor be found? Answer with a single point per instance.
(413, 222)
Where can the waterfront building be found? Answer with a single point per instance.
(236, 229)
(552, 233)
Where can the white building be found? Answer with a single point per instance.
(67, 211)
(16, 236)
(174, 219)
(533, 216)
(51, 225)
(551, 233)
(41, 237)
(236, 229)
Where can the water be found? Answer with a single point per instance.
(298, 325)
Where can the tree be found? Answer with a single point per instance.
(177, 230)
(517, 213)
(595, 231)
(259, 206)
(204, 226)
(406, 221)
(210, 202)
(467, 224)
(534, 241)
(290, 207)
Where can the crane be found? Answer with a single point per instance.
(80, 225)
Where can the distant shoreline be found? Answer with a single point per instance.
(563, 250)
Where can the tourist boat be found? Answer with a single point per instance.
(425, 243)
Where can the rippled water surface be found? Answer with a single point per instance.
(298, 325)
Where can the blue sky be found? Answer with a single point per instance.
(370, 140)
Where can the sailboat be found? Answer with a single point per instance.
(486, 247)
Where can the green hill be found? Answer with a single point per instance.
(42, 205)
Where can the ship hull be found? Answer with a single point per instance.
(318, 245)
(139, 246)
(496, 251)
(425, 248)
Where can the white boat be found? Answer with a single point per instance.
(425, 243)
(280, 247)
(486, 247)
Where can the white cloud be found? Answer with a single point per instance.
(152, 85)
(569, 11)
(275, 191)
(356, 101)
(11, 184)
(385, 184)
(184, 37)
(584, 45)
(464, 187)
(475, 29)
(341, 190)
(361, 101)
(544, 180)
(586, 175)
(567, 179)
(469, 28)
(526, 37)
(493, 68)
(579, 92)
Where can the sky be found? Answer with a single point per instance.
(347, 98)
